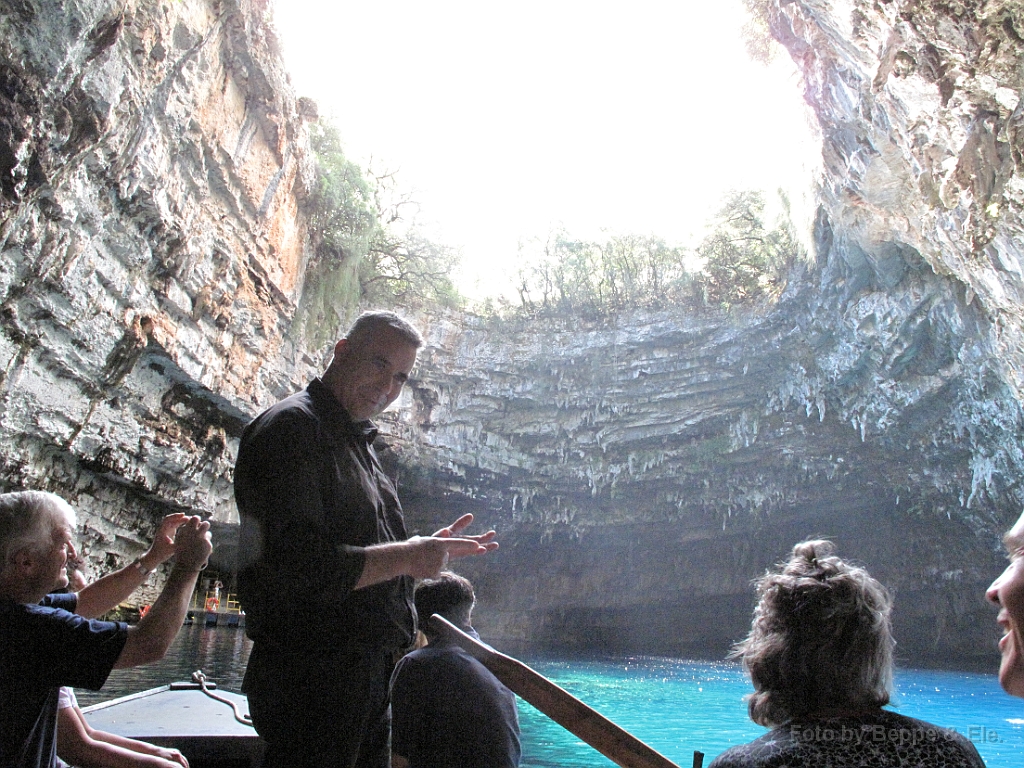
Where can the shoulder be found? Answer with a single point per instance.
(909, 731)
(67, 601)
(52, 611)
(417, 659)
(61, 646)
(896, 722)
(290, 424)
(298, 409)
(759, 753)
(428, 661)
(56, 612)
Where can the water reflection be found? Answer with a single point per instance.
(221, 652)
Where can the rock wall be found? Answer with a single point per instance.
(641, 470)
(152, 248)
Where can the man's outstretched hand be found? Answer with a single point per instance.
(423, 557)
(432, 553)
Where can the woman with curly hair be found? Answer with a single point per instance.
(819, 654)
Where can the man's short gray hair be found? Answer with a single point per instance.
(28, 520)
(369, 322)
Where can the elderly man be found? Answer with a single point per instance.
(1007, 592)
(327, 568)
(44, 645)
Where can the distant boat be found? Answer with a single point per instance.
(208, 727)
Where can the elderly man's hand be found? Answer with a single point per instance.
(162, 548)
(193, 543)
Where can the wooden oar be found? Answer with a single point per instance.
(619, 746)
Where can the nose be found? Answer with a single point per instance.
(992, 593)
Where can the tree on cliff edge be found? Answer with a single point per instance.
(744, 258)
(364, 252)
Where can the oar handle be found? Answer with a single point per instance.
(619, 746)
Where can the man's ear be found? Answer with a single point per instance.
(24, 561)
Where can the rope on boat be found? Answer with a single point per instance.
(243, 717)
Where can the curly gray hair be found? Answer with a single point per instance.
(821, 638)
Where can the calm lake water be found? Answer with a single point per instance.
(675, 706)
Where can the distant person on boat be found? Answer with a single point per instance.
(1007, 592)
(447, 709)
(44, 644)
(819, 654)
(327, 568)
(82, 746)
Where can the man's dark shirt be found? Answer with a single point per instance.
(41, 648)
(449, 711)
(311, 493)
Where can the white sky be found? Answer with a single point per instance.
(506, 120)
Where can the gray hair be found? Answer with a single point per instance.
(369, 322)
(28, 520)
(821, 638)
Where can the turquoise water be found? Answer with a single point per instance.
(680, 706)
(675, 706)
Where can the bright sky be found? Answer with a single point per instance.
(507, 120)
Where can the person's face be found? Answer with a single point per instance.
(54, 564)
(1008, 593)
(45, 570)
(371, 372)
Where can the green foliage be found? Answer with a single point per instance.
(362, 254)
(402, 266)
(343, 219)
(581, 277)
(744, 259)
(741, 262)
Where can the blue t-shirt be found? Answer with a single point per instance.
(43, 647)
(449, 711)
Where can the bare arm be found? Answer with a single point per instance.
(81, 745)
(152, 636)
(423, 556)
(107, 593)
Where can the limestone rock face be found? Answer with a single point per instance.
(152, 245)
(642, 470)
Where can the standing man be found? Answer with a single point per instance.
(44, 645)
(327, 567)
(449, 710)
